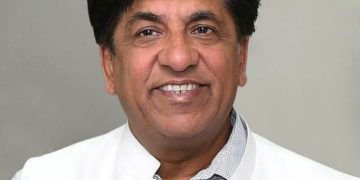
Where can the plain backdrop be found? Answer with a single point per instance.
(302, 92)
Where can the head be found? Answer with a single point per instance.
(174, 65)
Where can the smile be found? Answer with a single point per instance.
(179, 88)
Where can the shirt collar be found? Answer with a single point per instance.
(236, 157)
(246, 167)
(229, 157)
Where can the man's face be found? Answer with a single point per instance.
(176, 66)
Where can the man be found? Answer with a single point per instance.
(175, 66)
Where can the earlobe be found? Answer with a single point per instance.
(243, 60)
(107, 65)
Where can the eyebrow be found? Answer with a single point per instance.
(147, 16)
(203, 15)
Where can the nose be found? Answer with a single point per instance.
(178, 54)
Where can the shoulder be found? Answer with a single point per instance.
(75, 160)
(275, 162)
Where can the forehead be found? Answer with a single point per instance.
(178, 8)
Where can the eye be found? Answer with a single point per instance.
(205, 33)
(147, 36)
(203, 30)
(147, 33)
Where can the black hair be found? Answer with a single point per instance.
(105, 14)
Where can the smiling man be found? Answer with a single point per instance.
(175, 66)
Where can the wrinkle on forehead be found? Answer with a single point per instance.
(177, 8)
(195, 16)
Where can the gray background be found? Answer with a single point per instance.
(302, 93)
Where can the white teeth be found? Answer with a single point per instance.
(190, 87)
(175, 88)
(183, 87)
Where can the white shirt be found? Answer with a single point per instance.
(118, 155)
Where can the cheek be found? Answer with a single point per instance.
(134, 72)
(131, 74)
(222, 63)
(136, 64)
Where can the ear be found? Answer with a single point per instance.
(107, 65)
(243, 60)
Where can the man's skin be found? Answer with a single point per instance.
(162, 44)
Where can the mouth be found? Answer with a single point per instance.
(179, 88)
(181, 91)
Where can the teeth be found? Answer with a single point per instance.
(183, 87)
(175, 88)
(190, 87)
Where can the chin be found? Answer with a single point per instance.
(179, 128)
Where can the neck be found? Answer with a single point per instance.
(185, 160)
